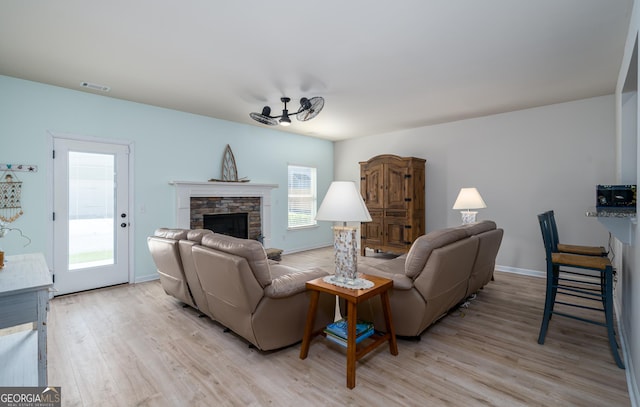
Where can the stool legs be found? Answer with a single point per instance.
(549, 301)
(606, 284)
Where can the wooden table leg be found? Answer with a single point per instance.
(41, 326)
(386, 310)
(311, 319)
(352, 319)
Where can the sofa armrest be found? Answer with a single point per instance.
(290, 284)
(400, 281)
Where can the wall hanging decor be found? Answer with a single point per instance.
(19, 167)
(10, 196)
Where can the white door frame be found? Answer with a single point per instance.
(50, 201)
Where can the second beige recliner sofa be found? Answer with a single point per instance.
(441, 270)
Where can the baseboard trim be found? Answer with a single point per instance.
(304, 249)
(632, 384)
(144, 279)
(526, 272)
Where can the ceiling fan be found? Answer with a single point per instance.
(309, 108)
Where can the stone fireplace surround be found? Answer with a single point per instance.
(185, 191)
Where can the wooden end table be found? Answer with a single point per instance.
(380, 287)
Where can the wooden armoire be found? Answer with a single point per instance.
(393, 190)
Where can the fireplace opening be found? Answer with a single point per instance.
(231, 224)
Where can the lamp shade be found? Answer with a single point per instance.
(469, 198)
(343, 203)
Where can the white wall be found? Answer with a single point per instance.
(523, 163)
(628, 297)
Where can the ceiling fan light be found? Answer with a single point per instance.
(284, 120)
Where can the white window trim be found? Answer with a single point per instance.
(313, 198)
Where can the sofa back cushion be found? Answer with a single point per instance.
(423, 246)
(249, 249)
(443, 282)
(485, 262)
(473, 229)
(231, 289)
(163, 246)
(194, 237)
(175, 234)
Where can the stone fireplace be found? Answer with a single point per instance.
(194, 199)
(202, 207)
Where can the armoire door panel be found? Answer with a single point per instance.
(395, 187)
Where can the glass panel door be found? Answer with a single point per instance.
(91, 222)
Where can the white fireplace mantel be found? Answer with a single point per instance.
(185, 190)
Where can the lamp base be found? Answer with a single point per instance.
(345, 245)
(468, 217)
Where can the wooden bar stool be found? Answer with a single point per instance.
(590, 279)
(575, 249)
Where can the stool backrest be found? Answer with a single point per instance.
(554, 228)
(550, 246)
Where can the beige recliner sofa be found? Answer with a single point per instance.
(171, 253)
(165, 251)
(264, 303)
(441, 270)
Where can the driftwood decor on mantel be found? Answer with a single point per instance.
(229, 169)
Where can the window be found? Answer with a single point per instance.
(302, 196)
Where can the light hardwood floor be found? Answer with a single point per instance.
(133, 345)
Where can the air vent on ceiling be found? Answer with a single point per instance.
(95, 86)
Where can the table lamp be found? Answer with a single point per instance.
(469, 198)
(343, 203)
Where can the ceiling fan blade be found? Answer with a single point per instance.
(264, 117)
(310, 108)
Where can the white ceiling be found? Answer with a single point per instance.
(381, 65)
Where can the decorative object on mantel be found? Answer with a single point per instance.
(309, 108)
(229, 169)
(10, 195)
